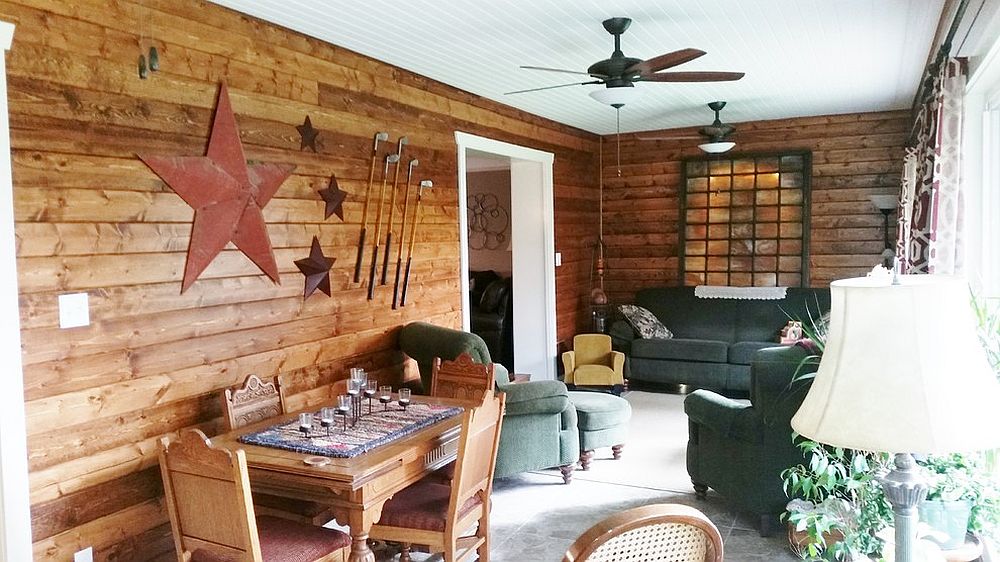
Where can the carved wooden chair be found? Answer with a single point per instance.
(212, 515)
(659, 532)
(462, 378)
(435, 514)
(255, 401)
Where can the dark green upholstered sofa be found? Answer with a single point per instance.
(740, 450)
(714, 339)
(539, 424)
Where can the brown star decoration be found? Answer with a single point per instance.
(316, 268)
(334, 198)
(308, 135)
(227, 195)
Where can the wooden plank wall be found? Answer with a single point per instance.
(853, 156)
(91, 217)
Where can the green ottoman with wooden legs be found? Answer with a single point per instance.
(602, 420)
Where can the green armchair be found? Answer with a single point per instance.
(539, 424)
(740, 450)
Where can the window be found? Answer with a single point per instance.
(746, 220)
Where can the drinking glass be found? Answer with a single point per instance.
(305, 423)
(404, 397)
(385, 396)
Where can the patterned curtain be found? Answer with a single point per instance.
(930, 206)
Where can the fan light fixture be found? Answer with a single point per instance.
(717, 147)
(617, 96)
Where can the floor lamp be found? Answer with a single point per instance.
(902, 372)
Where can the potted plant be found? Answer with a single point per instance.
(962, 497)
(839, 505)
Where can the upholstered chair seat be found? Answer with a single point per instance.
(289, 541)
(424, 506)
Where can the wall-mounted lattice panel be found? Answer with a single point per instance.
(746, 220)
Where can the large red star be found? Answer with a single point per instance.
(227, 196)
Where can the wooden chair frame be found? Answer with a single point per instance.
(618, 524)
(462, 378)
(473, 476)
(258, 400)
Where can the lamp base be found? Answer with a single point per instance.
(905, 488)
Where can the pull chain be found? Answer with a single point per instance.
(618, 139)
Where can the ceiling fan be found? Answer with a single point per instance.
(716, 135)
(619, 73)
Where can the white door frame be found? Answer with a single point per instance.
(535, 167)
(15, 510)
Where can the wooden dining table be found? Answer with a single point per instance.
(355, 488)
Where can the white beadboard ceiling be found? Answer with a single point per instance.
(802, 57)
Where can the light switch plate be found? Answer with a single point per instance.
(74, 310)
(558, 259)
(85, 555)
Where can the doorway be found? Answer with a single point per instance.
(529, 237)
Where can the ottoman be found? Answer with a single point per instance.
(602, 420)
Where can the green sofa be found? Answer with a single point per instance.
(714, 339)
(740, 450)
(539, 425)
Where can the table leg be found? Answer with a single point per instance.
(360, 522)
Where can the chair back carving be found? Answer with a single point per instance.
(477, 452)
(462, 378)
(208, 498)
(592, 349)
(673, 532)
(256, 400)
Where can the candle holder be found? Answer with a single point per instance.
(306, 424)
(370, 390)
(327, 417)
(404, 398)
(344, 407)
(385, 396)
(354, 391)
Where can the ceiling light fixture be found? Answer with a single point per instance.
(616, 96)
(717, 147)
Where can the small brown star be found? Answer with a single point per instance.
(316, 268)
(334, 198)
(308, 135)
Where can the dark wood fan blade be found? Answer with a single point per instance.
(691, 77)
(554, 87)
(561, 70)
(663, 61)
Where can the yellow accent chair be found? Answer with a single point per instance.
(591, 362)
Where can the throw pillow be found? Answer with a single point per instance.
(644, 322)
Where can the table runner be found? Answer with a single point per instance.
(371, 431)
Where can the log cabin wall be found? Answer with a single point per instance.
(853, 156)
(90, 217)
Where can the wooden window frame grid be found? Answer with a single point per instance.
(806, 206)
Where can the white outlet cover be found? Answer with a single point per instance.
(85, 555)
(74, 310)
(558, 259)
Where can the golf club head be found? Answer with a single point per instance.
(409, 172)
(393, 158)
(380, 136)
(425, 183)
(402, 141)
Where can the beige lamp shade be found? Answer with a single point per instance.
(903, 370)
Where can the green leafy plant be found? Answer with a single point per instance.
(841, 505)
(987, 313)
(965, 477)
